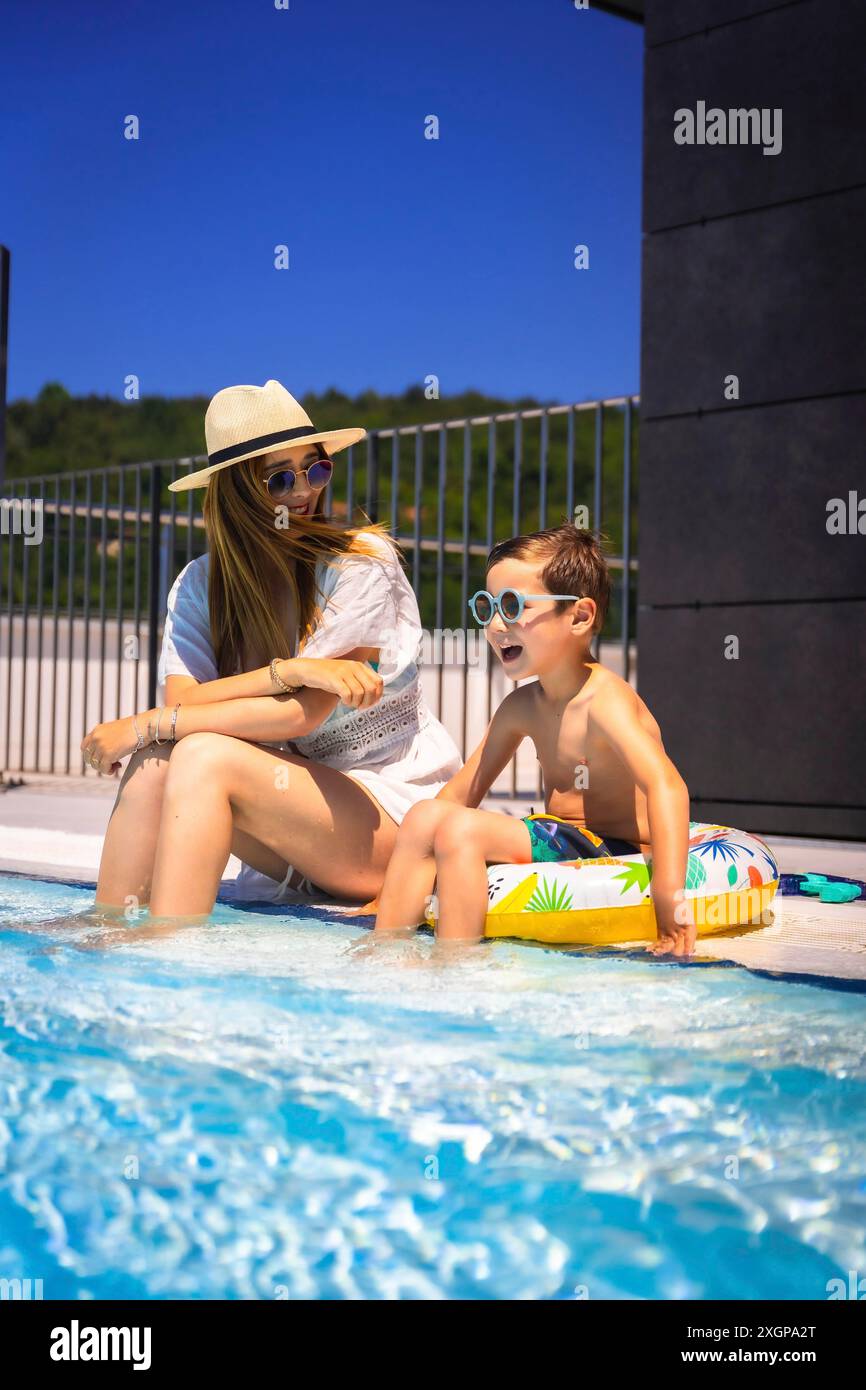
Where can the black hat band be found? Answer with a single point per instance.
(264, 441)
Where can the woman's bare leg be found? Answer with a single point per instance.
(258, 856)
(126, 865)
(129, 849)
(310, 815)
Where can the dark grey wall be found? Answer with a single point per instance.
(755, 265)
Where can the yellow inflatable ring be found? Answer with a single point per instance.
(731, 880)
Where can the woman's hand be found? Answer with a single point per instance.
(354, 682)
(107, 743)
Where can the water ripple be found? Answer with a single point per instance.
(251, 1110)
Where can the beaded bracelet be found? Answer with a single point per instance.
(277, 680)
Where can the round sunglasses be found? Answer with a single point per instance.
(281, 483)
(509, 603)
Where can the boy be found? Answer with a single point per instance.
(601, 754)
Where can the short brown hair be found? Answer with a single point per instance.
(572, 560)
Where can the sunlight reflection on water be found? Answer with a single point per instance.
(253, 1109)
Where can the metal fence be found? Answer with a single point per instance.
(81, 611)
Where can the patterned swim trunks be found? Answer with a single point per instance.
(554, 839)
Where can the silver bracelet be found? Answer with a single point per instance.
(156, 738)
(172, 735)
(277, 680)
(139, 735)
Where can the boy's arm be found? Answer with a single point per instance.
(470, 785)
(505, 732)
(615, 715)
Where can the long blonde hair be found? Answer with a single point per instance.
(251, 558)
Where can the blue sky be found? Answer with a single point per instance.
(305, 126)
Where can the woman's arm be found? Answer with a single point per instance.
(246, 686)
(267, 715)
(257, 718)
(179, 689)
(260, 719)
(314, 672)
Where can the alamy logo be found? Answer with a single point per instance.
(20, 1288)
(22, 516)
(738, 126)
(855, 1288)
(847, 516)
(76, 1343)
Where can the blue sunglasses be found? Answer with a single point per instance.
(281, 483)
(509, 603)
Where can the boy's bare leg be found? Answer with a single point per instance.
(464, 844)
(411, 869)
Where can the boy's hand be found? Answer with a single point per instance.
(677, 932)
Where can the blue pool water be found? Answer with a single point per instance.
(250, 1110)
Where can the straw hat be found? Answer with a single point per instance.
(243, 421)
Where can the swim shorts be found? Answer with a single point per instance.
(554, 839)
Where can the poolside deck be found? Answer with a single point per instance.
(53, 827)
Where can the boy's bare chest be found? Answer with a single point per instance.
(563, 745)
(575, 761)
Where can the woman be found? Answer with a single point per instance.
(301, 765)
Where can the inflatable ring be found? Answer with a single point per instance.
(731, 880)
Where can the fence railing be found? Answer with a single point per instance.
(81, 610)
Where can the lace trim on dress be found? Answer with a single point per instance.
(355, 734)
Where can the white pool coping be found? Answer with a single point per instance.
(54, 826)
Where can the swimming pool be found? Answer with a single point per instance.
(249, 1110)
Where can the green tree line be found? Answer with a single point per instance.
(63, 435)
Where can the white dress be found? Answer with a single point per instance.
(398, 749)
